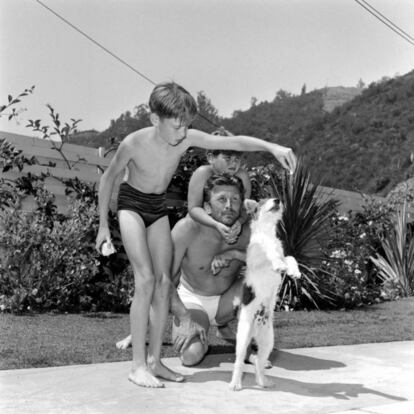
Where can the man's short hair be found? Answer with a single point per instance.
(222, 179)
(170, 100)
(222, 132)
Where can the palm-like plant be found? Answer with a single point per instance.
(304, 230)
(397, 264)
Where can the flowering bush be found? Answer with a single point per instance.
(355, 238)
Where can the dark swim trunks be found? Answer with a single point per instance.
(150, 207)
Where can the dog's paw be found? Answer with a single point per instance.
(292, 268)
(235, 385)
(279, 265)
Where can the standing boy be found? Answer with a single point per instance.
(152, 155)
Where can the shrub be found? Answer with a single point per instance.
(50, 263)
(303, 231)
(396, 265)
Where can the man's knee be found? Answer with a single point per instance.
(194, 353)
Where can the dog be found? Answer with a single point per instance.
(265, 264)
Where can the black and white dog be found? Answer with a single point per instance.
(265, 263)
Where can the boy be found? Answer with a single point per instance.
(220, 161)
(152, 155)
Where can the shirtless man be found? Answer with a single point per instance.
(206, 269)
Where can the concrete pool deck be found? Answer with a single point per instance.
(370, 378)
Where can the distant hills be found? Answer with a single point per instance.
(359, 139)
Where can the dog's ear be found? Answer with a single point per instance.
(250, 206)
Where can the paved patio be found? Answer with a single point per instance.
(369, 379)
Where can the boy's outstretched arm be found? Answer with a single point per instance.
(106, 184)
(284, 155)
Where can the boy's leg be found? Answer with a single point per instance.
(196, 350)
(160, 246)
(135, 243)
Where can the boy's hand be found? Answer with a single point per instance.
(235, 231)
(103, 236)
(224, 230)
(187, 329)
(229, 234)
(285, 156)
(220, 261)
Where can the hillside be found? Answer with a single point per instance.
(355, 139)
(364, 145)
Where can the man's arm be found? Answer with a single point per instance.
(224, 259)
(284, 155)
(182, 235)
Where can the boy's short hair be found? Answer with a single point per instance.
(170, 100)
(222, 132)
(222, 179)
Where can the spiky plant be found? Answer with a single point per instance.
(304, 229)
(397, 264)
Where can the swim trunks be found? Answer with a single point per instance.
(150, 207)
(210, 304)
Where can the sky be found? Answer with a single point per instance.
(232, 50)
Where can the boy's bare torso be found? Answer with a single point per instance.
(152, 162)
(203, 243)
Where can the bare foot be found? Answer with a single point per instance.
(125, 343)
(160, 370)
(226, 333)
(144, 378)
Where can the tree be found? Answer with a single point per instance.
(303, 90)
(207, 112)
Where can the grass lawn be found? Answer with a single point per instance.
(45, 340)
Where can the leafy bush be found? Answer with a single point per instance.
(355, 237)
(50, 263)
(396, 265)
(303, 231)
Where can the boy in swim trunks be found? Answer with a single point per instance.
(152, 155)
(220, 161)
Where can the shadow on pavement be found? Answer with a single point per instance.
(280, 359)
(338, 390)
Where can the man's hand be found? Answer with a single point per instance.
(186, 330)
(220, 261)
(285, 156)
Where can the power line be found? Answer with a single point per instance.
(386, 21)
(111, 53)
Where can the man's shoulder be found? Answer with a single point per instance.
(186, 227)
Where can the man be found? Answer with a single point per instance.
(207, 270)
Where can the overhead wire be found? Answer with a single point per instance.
(383, 19)
(105, 49)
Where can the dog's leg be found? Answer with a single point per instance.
(242, 342)
(265, 340)
(292, 267)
